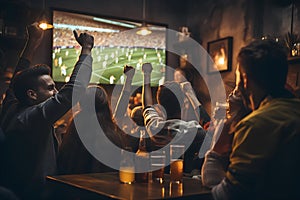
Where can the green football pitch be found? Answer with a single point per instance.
(108, 63)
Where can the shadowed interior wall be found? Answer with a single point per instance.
(207, 21)
(243, 20)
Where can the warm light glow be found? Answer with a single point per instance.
(221, 61)
(143, 31)
(114, 22)
(45, 26)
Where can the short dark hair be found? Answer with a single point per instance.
(28, 79)
(265, 61)
(95, 99)
(171, 97)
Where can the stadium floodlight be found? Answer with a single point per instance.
(144, 30)
(85, 28)
(108, 21)
(43, 21)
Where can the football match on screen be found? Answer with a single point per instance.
(116, 45)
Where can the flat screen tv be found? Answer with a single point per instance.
(116, 45)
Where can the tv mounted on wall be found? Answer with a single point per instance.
(116, 45)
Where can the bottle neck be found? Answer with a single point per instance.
(142, 142)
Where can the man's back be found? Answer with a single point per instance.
(266, 146)
(30, 152)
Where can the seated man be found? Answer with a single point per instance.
(262, 160)
(164, 122)
(31, 107)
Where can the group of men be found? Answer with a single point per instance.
(255, 157)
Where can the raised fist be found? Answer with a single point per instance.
(85, 40)
(147, 68)
(129, 71)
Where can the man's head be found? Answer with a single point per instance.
(137, 115)
(34, 85)
(171, 97)
(179, 75)
(263, 65)
(95, 99)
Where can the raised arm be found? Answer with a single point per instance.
(188, 90)
(146, 92)
(122, 103)
(69, 95)
(34, 38)
(86, 42)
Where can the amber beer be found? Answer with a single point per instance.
(126, 175)
(175, 189)
(127, 169)
(176, 170)
(158, 160)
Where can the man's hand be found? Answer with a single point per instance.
(147, 68)
(237, 101)
(236, 109)
(85, 40)
(129, 71)
(222, 139)
(235, 112)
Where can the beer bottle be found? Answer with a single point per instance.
(142, 159)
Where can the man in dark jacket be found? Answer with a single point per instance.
(31, 107)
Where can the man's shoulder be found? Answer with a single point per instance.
(275, 113)
(23, 115)
(278, 108)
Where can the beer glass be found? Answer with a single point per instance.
(157, 160)
(126, 172)
(176, 167)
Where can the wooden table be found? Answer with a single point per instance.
(107, 186)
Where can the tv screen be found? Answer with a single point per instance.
(116, 45)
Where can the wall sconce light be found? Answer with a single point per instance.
(144, 30)
(45, 26)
